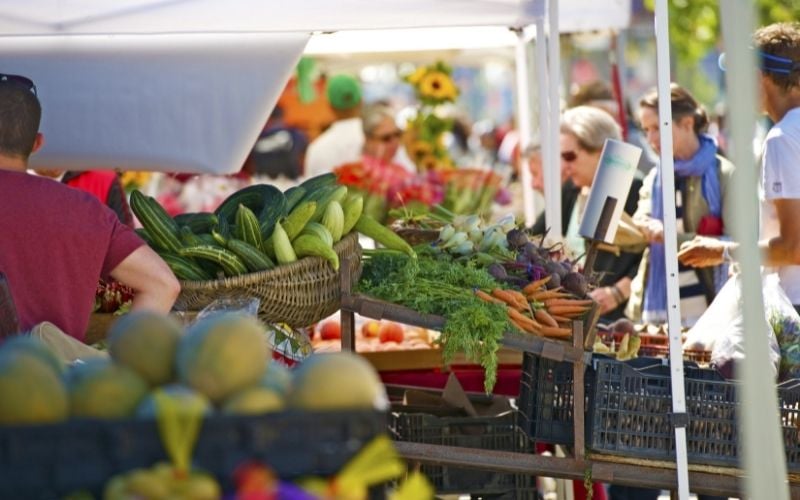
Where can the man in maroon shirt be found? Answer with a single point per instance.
(55, 241)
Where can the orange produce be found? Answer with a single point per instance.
(371, 329)
(391, 332)
(330, 330)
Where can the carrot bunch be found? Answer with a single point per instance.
(523, 316)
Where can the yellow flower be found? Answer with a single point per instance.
(429, 162)
(437, 85)
(131, 179)
(415, 77)
(420, 150)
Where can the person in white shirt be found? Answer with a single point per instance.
(343, 141)
(778, 47)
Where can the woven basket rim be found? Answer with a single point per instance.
(293, 269)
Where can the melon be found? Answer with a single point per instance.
(146, 342)
(31, 390)
(180, 394)
(277, 378)
(254, 401)
(99, 388)
(337, 381)
(32, 345)
(222, 354)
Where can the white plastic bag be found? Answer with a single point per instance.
(721, 328)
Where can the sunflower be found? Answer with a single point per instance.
(429, 162)
(438, 86)
(415, 77)
(419, 150)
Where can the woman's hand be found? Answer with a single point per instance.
(605, 298)
(653, 229)
(702, 252)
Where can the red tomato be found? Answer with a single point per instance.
(331, 330)
(391, 332)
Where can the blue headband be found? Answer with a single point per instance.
(769, 63)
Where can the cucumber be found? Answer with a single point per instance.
(188, 237)
(143, 234)
(293, 196)
(275, 208)
(198, 222)
(282, 245)
(253, 258)
(162, 229)
(253, 197)
(247, 227)
(297, 220)
(222, 232)
(185, 269)
(320, 231)
(307, 244)
(324, 196)
(353, 208)
(230, 263)
(371, 228)
(319, 181)
(333, 219)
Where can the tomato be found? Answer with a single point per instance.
(391, 332)
(331, 330)
(371, 329)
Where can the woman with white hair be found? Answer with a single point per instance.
(584, 130)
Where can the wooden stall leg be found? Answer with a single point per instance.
(346, 316)
(578, 394)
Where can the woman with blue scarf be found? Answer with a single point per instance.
(702, 178)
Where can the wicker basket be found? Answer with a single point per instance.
(415, 236)
(298, 294)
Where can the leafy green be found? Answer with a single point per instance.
(435, 284)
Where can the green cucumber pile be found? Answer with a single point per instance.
(258, 228)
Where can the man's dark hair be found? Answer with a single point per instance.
(20, 114)
(781, 40)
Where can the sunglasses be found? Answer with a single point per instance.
(19, 80)
(569, 156)
(391, 136)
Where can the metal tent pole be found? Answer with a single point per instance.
(670, 246)
(761, 445)
(554, 68)
(524, 125)
(551, 204)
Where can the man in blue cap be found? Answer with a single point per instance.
(778, 47)
(343, 141)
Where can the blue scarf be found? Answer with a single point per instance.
(703, 163)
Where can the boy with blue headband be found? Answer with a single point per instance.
(778, 47)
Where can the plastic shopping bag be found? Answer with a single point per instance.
(721, 328)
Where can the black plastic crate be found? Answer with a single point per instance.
(631, 411)
(487, 433)
(46, 462)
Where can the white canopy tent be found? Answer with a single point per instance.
(185, 85)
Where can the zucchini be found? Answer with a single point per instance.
(253, 258)
(185, 269)
(282, 245)
(333, 219)
(188, 238)
(293, 196)
(247, 227)
(324, 196)
(320, 231)
(253, 197)
(307, 244)
(222, 232)
(353, 208)
(230, 263)
(297, 220)
(314, 183)
(274, 209)
(371, 228)
(198, 222)
(159, 225)
(144, 235)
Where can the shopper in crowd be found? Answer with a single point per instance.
(382, 135)
(103, 184)
(343, 141)
(702, 180)
(778, 47)
(279, 150)
(58, 241)
(584, 131)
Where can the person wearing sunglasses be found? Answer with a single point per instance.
(584, 130)
(778, 49)
(702, 177)
(59, 241)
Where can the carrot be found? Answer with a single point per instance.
(549, 331)
(567, 310)
(486, 297)
(521, 318)
(521, 299)
(534, 286)
(523, 328)
(568, 302)
(560, 319)
(509, 299)
(544, 318)
(548, 294)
